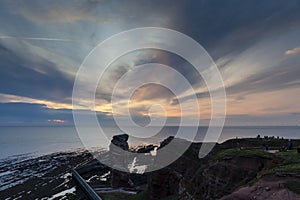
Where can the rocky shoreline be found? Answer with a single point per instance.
(45, 177)
(235, 169)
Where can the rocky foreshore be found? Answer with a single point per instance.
(45, 177)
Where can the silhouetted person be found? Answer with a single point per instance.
(267, 147)
(290, 145)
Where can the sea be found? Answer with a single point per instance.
(37, 141)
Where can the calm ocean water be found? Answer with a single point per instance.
(44, 140)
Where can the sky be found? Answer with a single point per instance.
(255, 45)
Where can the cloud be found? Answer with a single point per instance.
(57, 11)
(59, 121)
(29, 114)
(91, 11)
(283, 75)
(243, 37)
(260, 67)
(36, 38)
(38, 78)
(152, 92)
(292, 51)
(129, 64)
(284, 119)
(7, 98)
(16, 113)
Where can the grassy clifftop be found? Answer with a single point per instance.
(234, 164)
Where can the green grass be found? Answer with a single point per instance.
(294, 186)
(245, 153)
(290, 163)
(289, 157)
(292, 168)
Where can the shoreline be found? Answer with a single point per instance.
(49, 176)
(42, 177)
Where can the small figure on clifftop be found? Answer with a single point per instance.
(290, 144)
(267, 147)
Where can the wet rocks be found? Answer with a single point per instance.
(146, 149)
(41, 177)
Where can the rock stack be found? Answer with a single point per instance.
(146, 149)
(120, 141)
(119, 149)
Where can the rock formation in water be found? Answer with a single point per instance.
(118, 154)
